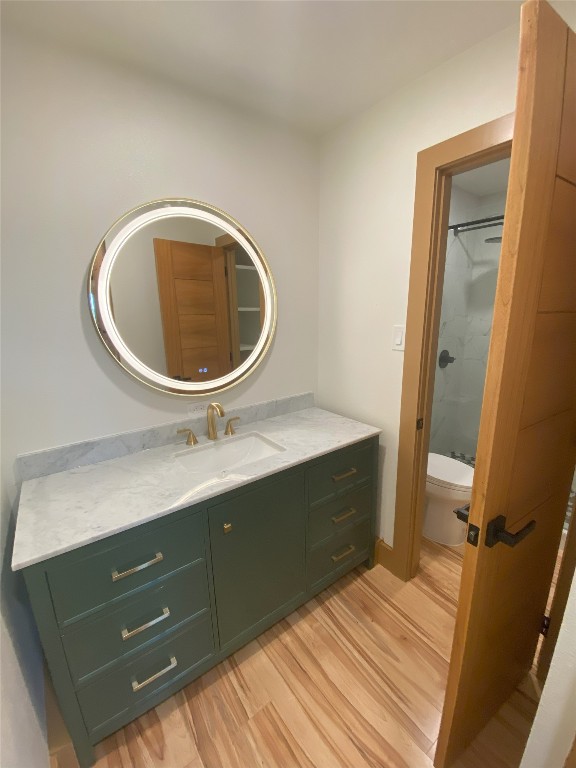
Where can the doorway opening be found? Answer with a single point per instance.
(467, 289)
(437, 168)
(461, 295)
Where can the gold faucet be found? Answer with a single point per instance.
(191, 439)
(213, 409)
(230, 425)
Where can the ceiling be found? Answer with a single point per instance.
(486, 180)
(311, 63)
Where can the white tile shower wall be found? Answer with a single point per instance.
(480, 310)
(465, 325)
(452, 333)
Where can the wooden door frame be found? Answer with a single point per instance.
(435, 167)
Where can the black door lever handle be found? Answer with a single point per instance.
(462, 513)
(496, 532)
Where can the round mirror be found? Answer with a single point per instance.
(182, 297)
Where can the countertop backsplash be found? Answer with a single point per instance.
(65, 457)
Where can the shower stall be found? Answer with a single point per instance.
(472, 257)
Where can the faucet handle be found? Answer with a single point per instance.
(191, 439)
(230, 425)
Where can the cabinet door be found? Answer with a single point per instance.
(258, 554)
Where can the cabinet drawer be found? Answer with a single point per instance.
(332, 517)
(117, 692)
(137, 621)
(342, 470)
(83, 586)
(337, 552)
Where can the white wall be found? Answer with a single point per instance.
(83, 142)
(366, 205)
(23, 736)
(554, 728)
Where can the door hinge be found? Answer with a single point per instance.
(419, 423)
(545, 625)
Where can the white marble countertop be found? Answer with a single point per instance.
(61, 512)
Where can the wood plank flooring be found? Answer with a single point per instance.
(353, 679)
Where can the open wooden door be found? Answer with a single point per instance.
(527, 441)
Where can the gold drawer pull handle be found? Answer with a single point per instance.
(227, 527)
(350, 512)
(342, 555)
(157, 559)
(343, 475)
(136, 686)
(127, 634)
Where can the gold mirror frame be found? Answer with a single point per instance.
(99, 293)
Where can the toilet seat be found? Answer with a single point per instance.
(449, 473)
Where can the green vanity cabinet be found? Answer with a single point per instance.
(258, 556)
(128, 620)
(341, 515)
(94, 645)
(174, 658)
(342, 471)
(125, 622)
(112, 572)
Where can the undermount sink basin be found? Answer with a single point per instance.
(227, 453)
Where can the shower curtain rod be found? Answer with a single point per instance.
(468, 226)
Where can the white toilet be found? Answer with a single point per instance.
(448, 485)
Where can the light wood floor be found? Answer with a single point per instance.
(353, 679)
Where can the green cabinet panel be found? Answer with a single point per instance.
(258, 553)
(97, 642)
(80, 588)
(340, 552)
(334, 516)
(215, 575)
(341, 471)
(117, 692)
